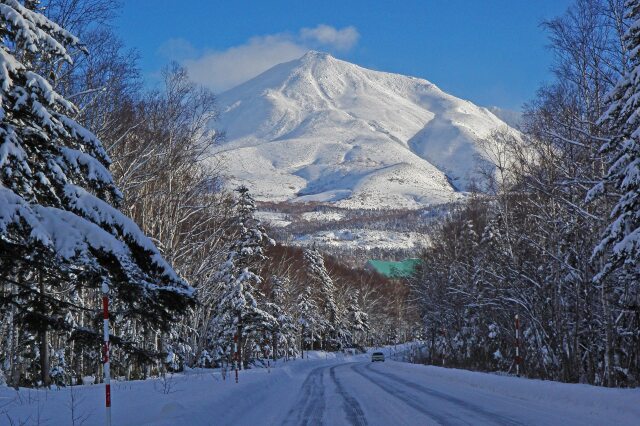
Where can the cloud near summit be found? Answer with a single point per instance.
(327, 35)
(222, 70)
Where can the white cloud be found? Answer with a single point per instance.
(343, 39)
(221, 70)
(177, 49)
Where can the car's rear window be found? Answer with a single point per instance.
(378, 353)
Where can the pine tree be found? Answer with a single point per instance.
(238, 313)
(59, 229)
(284, 333)
(622, 151)
(308, 317)
(357, 321)
(319, 279)
(618, 253)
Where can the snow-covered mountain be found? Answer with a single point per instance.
(322, 129)
(511, 117)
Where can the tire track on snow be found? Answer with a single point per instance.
(476, 409)
(352, 408)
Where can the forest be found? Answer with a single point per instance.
(554, 237)
(105, 191)
(108, 190)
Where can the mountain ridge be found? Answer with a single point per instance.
(322, 129)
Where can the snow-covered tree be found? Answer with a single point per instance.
(322, 284)
(308, 316)
(283, 336)
(60, 229)
(622, 151)
(617, 256)
(59, 371)
(238, 312)
(357, 321)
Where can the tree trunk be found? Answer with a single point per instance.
(274, 346)
(44, 341)
(608, 379)
(239, 355)
(13, 346)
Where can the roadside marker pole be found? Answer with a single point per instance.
(105, 351)
(518, 359)
(235, 355)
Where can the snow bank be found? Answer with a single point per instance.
(622, 405)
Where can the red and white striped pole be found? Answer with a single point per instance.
(518, 359)
(105, 350)
(236, 356)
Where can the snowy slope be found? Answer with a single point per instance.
(321, 129)
(511, 117)
(366, 239)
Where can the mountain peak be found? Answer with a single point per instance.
(313, 59)
(322, 129)
(316, 55)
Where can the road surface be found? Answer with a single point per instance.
(394, 393)
(365, 393)
(330, 389)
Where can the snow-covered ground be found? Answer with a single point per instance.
(276, 219)
(319, 129)
(348, 229)
(331, 389)
(321, 216)
(364, 239)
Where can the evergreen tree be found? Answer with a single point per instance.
(319, 279)
(308, 316)
(617, 255)
(284, 333)
(59, 229)
(357, 320)
(238, 313)
(622, 151)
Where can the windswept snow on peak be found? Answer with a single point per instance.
(321, 129)
(511, 117)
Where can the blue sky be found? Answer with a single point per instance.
(492, 52)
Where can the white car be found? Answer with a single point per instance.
(377, 356)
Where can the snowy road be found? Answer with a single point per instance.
(330, 389)
(358, 392)
(363, 393)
